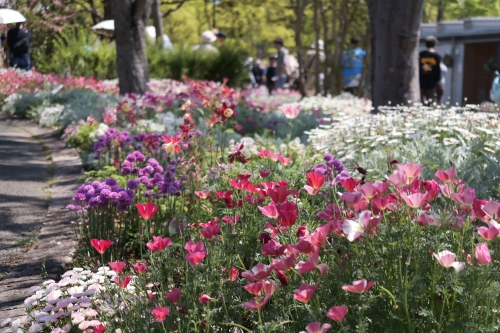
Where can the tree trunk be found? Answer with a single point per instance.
(298, 44)
(317, 61)
(130, 22)
(395, 34)
(324, 19)
(108, 12)
(441, 9)
(158, 21)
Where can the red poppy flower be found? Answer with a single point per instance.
(101, 245)
(147, 210)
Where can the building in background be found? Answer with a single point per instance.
(471, 49)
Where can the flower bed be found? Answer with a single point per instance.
(184, 225)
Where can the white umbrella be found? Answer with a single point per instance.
(8, 16)
(105, 27)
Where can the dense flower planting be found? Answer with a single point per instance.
(184, 225)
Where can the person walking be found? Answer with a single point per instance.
(207, 39)
(352, 63)
(272, 73)
(311, 60)
(281, 63)
(429, 70)
(221, 38)
(19, 42)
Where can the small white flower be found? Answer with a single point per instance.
(35, 328)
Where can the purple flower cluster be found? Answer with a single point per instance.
(101, 194)
(150, 176)
(333, 168)
(171, 185)
(112, 138)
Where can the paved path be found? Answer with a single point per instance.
(27, 215)
(24, 173)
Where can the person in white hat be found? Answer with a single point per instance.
(207, 39)
(310, 65)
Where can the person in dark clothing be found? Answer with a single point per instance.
(19, 42)
(430, 70)
(258, 72)
(272, 73)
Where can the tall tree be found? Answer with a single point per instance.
(299, 11)
(130, 18)
(395, 27)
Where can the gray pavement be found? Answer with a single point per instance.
(24, 173)
(27, 215)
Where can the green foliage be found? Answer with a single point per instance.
(460, 9)
(83, 140)
(175, 64)
(78, 52)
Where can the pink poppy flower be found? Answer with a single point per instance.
(204, 299)
(122, 282)
(383, 203)
(159, 243)
(210, 232)
(278, 195)
(304, 293)
(147, 210)
(270, 210)
(426, 219)
(160, 313)
(304, 267)
(465, 198)
(196, 253)
(447, 259)
(482, 254)
(257, 303)
(117, 266)
(411, 170)
(316, 327)
(233, 274)
(202, 194)
(359, 286)
(351, 198)
(174, 295)
(264, 173)
(284, 263)
(446, 176)
(273, 248)
(398, 178)
(139, 268)
(287, 213)
(368, 190)
(381, 187)
(492, 209)
(301, 232)
(258, 272)
(415, 200)
(337, 313)
(488, 233)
